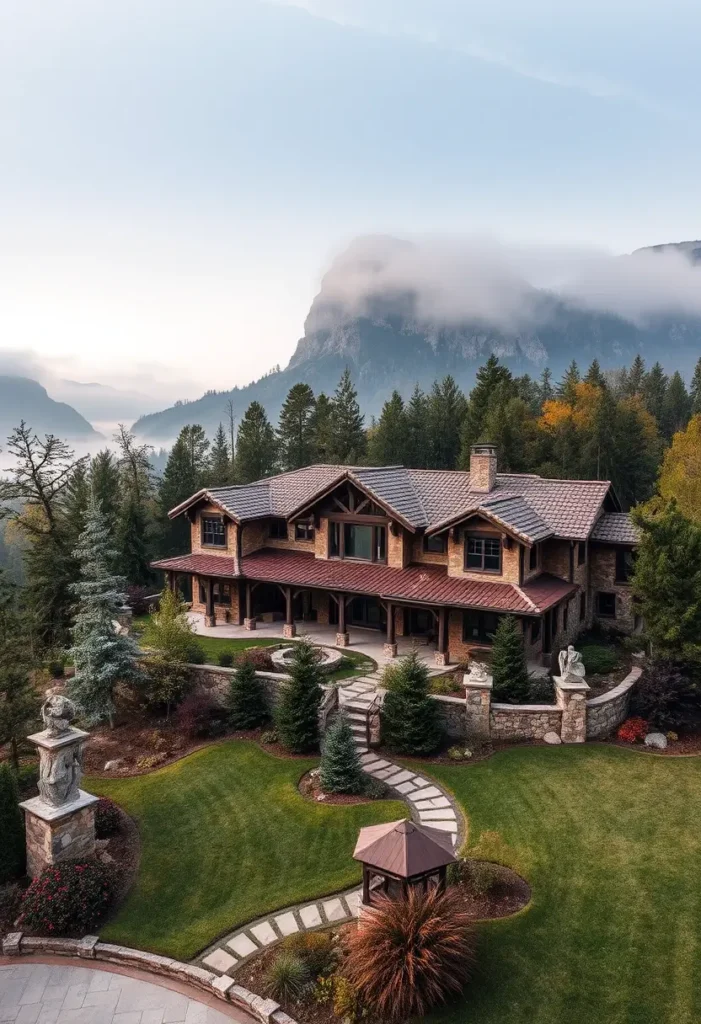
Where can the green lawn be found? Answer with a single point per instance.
(227, 837)
(610, 841)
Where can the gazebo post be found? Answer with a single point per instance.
(366, 885)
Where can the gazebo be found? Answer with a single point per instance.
(403, 854)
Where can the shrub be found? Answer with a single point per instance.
(323, 991)
(246, 701)
(480, 875)
(149, 761)
(287, 978)
(375, 789)
(315, 949)
(633, 730)
(256, 656)
(340, 771)
(459, 753)
(668, 696)
(108, 818)
(194, 653)
(297, 714)
(541, 690)
(511, 683)
(411, 954)
(347, 1003)
(599, 660)
(11, 827)
(194, 714)
(27, 777)
(165, 682)
(226, 659)
(70, 898)
(410, 717)
(56, 669)
(270, 736)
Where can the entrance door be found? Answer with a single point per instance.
(367, 612)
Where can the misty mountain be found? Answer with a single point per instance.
(103, 403)
(25, 399)
(394, 322)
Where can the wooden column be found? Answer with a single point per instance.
(390, 642)
(441, 656)
(366, 885)
(172, 581)
(288, 630)
(209, 617)
(342, 638)
(249, 622)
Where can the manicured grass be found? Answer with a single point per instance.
(610, 841)
(227, 837)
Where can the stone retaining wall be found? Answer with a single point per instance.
(90, 948)
(452, 713)
(605, 713)
(524, 721)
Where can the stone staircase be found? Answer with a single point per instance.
(356, 701)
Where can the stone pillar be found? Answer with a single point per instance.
(288, 630)
(342, 637)
(249, 622)
(441, 655)
(60, 822)
(209, 616)
(390, 646)
(478, 704)
(571, 697)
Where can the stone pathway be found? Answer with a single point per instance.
(32, 993)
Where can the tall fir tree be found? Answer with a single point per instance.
(346, 424)
(296, 428)
(77, 501)
(410, 722)
(256, 446)
(246, 701)
(137, 510)
(185, 473)
(321, 428)
(636, 376)
(567, 388)
(594, 375)
(654, 390)
(676, 407)
(12, 847)
(19, 702)
(546, 391)
(297, 713)
(445, 414)
(104, 484)
(220, 471)
(387, 443)
(493, 384)
(695, 390)
(132, 553)
(102, 655)
(417, 429)
(510, 682)
(340, 770)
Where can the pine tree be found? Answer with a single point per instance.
(667, 581)
(246, 701)
(446, 411)
(410, 722)
(296, 428)
(346, 424)
(297, 713)
(636, 376)
(220, 472)
(185, 473)
(545, 387)
(132, 554)
(510, 683)
(104, 484)
(654, 390)
(567, 388)
(321, 428)
(632, 458)
(340, 770)
(11, 827)
(695, 390)
(387, 445)
(493, 384)
(19, 703)
(417, 429)
(594, 376)
(77, 501)
(135, 522)
(256, 446)
(102, 656)
(676, 407)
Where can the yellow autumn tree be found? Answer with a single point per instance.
(680, 476)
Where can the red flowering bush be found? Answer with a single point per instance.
(633, 730)
(68, 899)
(107, 818)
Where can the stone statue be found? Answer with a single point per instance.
(478, 673)
(57, 713)
(60, 772)
(571, 666)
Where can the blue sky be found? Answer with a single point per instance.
(175, 176)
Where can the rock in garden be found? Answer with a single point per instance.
(552, 737)
(111, 765)
(658, 740)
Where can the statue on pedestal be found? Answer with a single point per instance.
(572, 668)
(57, 713)
(478, 673)
(60, 765)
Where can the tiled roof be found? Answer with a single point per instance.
(616, 528)
(424, 498)
(420, 584)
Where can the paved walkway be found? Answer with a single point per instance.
(35, 993)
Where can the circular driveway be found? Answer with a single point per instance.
(56, 993)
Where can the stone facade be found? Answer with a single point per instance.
(398, 548)
(607, 712)
(453, 715)
(69, 837)
(603, 580)
(477, 706)
(524, 721)
(510, 557)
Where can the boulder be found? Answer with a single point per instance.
(552, 737)
(658, 740)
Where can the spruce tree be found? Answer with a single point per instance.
(220, 472)
(246, 701)
(387, 444)
(417, 430)
(346, 424)
(297, 713)
(184, 474)
(676, 407)
(132, 554)
(695, 390)
(321, 428)
(102, 656)
(654, 390)
(135, 522)
(546, 391)
(509, 671)
(636, 376)
(19, 702)
(446, 411)
(296, 428)
(11, 827)
(594, 376)
(104, 484)
(340, 770)
(256, 446)
(490, 379)
(566, 389)
(410, 716)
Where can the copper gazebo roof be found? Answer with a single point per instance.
(403, 848)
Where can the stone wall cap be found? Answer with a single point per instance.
(618, 691)
(40, 809)
(535, 709)
(571, 685)
(11, 943)
(48, 742)
(472, 684)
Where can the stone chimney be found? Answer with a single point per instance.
(483, 467)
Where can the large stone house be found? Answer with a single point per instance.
(411, 552)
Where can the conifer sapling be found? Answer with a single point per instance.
(340, 770)
(248, 707)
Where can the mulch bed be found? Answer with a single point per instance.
(507, 894)
(685, 746)
(310, 788)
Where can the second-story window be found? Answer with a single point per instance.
(358, 541)
(625, 561)
(435, 543)
(304, 531)
(213, 531)
(483, 554)
(277, 529)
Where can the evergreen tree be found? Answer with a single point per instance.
(340, 770)
(102, 656)
(676, 407)
(246, 702)
(220, 472)
(387, 445)
(594, 376)
(445, 414)
(185, 473)
(695, 390)
(132, 554)
(321, 428)
(667, 581)
(11, 827)
(567, 388)
(346, 429)
(104, 484)
(493, 385)
(170, 642)
(509, 425)
(633, 459)
(545, 388)
(296, 428)
(410, 722)
(19, 703)
(137, 510)
(417, 430)
(654, 390)
(510, 682)
(256, 446)
(636, 376)
(297, 713)
(77, 501)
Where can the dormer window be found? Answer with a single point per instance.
(358, 541)
(277, 529)
(482, 553)
(213, 532)
(435, 543)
